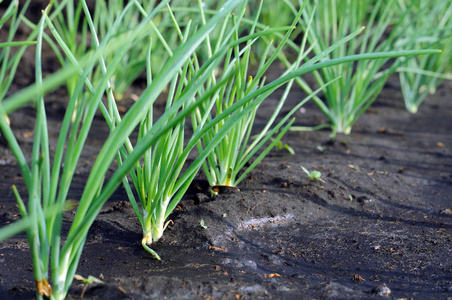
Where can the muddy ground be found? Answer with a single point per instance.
(379, 226)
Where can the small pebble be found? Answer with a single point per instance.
(364, 200)
(249, 263)
(382, 290)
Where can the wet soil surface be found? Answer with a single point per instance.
(380, 225)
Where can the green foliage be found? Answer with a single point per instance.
(429, 25)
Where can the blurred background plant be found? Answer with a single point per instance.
(9, 59)
(361, 82)
(68, 18)
(271, 14)
(428, 25)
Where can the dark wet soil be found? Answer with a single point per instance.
(379, 226)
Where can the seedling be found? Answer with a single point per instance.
(281, 146)
(86, 282)
(202, 224)
(314, 175)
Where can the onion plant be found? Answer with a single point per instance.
(430, 23)
(159, 195)
(158, 182)
(48, 180)
(361, 82)
(228, 158)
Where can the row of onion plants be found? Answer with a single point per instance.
(211, 81)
